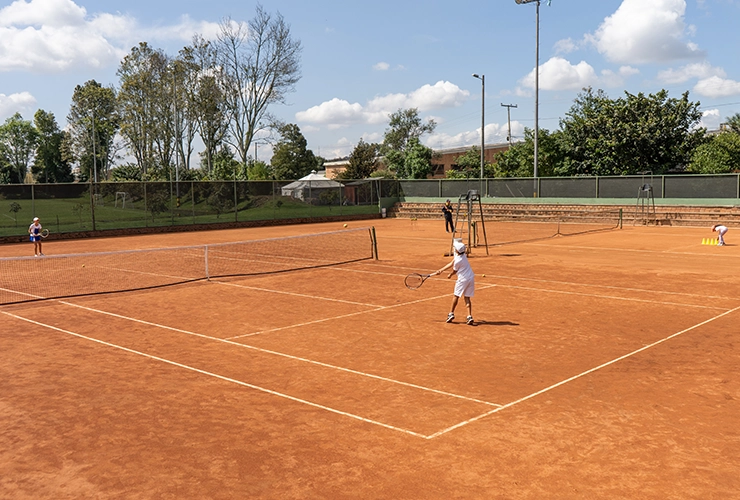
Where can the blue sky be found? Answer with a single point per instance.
(364, 60)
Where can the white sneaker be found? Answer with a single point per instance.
(469, 320)
(450, 317)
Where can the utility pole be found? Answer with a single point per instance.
(508, 113)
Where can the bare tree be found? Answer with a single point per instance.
(260, 64)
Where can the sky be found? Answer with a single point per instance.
(362, 61)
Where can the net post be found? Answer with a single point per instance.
(208, 276)
(374, 240)
(620, 218)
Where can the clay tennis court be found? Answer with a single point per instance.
(602, 365)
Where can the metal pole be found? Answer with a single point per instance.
(536, 97)
(482, 79)
(482, 123)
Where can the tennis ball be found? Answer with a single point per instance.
(345, 225)
(83, 265)
(483, 275)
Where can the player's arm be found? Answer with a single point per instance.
(446, 267)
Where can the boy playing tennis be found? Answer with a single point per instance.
(465, 284)
(34, 230)
(721, 230)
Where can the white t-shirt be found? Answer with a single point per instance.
(721, 229)
(35, 229)
(462, 266)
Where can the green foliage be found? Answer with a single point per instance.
(126, 172)
(363, 161)
(258, 171)
(18, 139)
(405, 129)
(418, 160)
(14, 209)
(468, 166)
(733, 123)
(50, 165)
(632, 134)
(94, 121)
(226, 167)
(721, 155)
(518, 161)
(290, 158)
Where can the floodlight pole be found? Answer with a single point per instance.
(536, 85)
(482, 79)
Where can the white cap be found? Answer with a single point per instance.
(35, 219)
(459, 246)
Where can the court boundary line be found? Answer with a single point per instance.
(221, 377)
(582, 374)
(611, 297)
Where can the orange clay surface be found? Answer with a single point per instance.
(602, 365)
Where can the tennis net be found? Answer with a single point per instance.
(507, 226)
(27, 279)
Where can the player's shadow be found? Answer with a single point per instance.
(495, 323)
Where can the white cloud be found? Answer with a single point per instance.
(611, 79)
(338, 113)
(495, 133)
(641, 32)
(560, 74)
(50, 36)
(715, 86)
(381, 66)
(16, 103)
(685, 73)
(565, 46)
(710, 119)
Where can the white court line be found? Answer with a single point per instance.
(582, 374)
(611, 287)
(610, 297)
(221, 377)
(280, 354)
(322, 320)
(634, 250)
(313, 297)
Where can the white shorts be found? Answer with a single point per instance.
(464, 288)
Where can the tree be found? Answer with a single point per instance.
(260, 64)
(18, 139)
(518, 161)
(226, 167)
(468, 165)
(290, 157)
(146, 107)
(629, 135)
(403, 127)
(50, 165)
(93, 123)
(418, 159)
(363, 161)
(206, 96)
(733, 123)
(721, 155)
(258, 170)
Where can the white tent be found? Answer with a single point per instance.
(310, 187)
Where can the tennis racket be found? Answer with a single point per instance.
(415, 280)
(44, 233)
